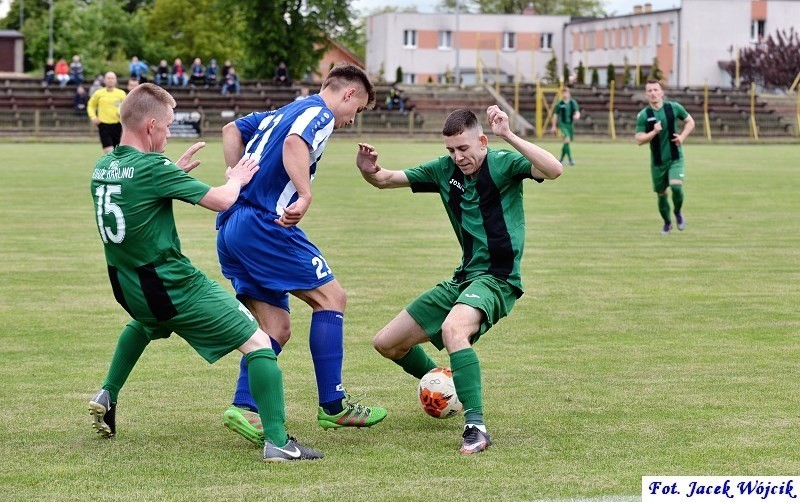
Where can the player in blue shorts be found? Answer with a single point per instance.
(267, 257)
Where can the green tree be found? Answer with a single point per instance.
(581, 79)
(293, 31)
(206, 30)
(595, 77)
(398, 75)
(566, 74)
(627, 78)
(586, 8)
(552, 69)
(100, 32)
(642, 76)
(655, 71)
(611, 74)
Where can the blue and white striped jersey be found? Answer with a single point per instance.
(263, 134)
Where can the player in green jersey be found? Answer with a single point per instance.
(133, 188)
(657, 124)
(481, 189)
(567, 111)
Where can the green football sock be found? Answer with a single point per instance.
(568, 151)
(677, 197)
(266, 386)
(663, 207)
(130, 346)
(467, 380)
(416, 362)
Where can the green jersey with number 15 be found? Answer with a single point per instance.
(133, 194)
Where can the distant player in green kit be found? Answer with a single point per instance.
(657, 124)
(481, 190)
(133, 188)
(567, 111)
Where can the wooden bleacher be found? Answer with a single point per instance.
(28, 109)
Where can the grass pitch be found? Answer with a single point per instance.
(631, 354)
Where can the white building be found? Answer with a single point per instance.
(693, 43)
(429, 47)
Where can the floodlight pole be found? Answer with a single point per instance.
(50, 32)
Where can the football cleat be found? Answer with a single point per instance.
(667, 227)
(244, 422)
(353, 415)
(474, 440)
(292, 450)
(680, 221)
(103, 413)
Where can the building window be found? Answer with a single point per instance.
(672, 32)
(757, 30)
(547, 41)
(410, 39)
(409, 78)
(445, 39)
(509, 41)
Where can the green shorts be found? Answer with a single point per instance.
(214, 325)
(664, 173)
(493, 296)
(567, 130)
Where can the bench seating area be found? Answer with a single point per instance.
(29, 109)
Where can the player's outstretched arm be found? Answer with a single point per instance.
(543, 164)
(367, 163)
(232, 144)
(222, 197)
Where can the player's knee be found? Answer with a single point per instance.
(454, 336)
(330, 297)
(385, 347)
(281, 335)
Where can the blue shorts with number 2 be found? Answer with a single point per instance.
(265, 261)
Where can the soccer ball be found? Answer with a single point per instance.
(437, 394)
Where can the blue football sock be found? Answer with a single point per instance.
(327, 351)
(241, 396)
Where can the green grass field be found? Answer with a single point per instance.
(631, 354)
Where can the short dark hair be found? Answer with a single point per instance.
(346, 73)
(655, 81)
(143, 102)
(459, 121)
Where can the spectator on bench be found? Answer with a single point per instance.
(49, 72)
(138, 69)
(211, 73)
(282, 75)
(179, 76)
(231, 82)
(162, 73)
(198, 73)
(394, 99)
(62, 72)
(76, 71)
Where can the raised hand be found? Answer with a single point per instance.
(185, 161)
(367, 159)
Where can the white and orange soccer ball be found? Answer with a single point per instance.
(437, 394)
